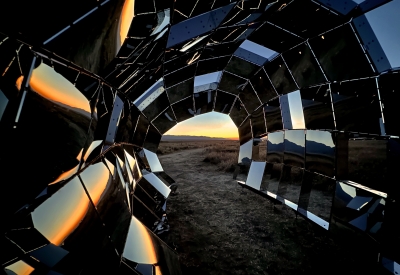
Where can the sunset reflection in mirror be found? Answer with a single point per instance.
(125, 21)
(51, 85)
(20, 268)
(139, 246)
(61, 214)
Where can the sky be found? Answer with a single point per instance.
(211, 124)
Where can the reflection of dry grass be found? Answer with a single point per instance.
(223, 153)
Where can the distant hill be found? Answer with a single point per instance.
(189, 138)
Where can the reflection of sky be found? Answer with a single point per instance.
(3, 103)
(257, 49)
(297, 137)
(59, 215)
(206, 78)
(51, 85)
(321, 137)
(125, 21)
(296, 110)
(211, 124)
(385, 22)
(20, 268)
(165, 21)
(275, 138)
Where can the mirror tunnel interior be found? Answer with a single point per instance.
(88, 89)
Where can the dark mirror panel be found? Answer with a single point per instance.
(140, 131)
(184, 109)
(165, 121)
(204, 102)
(249, 98)
(275, 147)
(365, 158)
(317, 107)
(320, 152)
(273, 116)
(180, 91)
(156, 107)
(390, 94)
(245, 152)
(290, 183)
(258, 122)
(356, 106)
(223, 102)
(245, 133)
(294, 148)
(335, 48)
(304, 67)
(272, 177)
(241, 67)
(280, 76)
(231, 83)
(179, 75)
(238, 112)
(153, 139)
(263, 87)
(211, 65)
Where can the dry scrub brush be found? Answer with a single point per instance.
(223, 154)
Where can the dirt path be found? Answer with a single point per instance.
(217, 227)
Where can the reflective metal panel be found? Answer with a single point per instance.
(258, 122)
(255, 175)
(204, 102)
(212, 65)
(140, 131)
(241, 67)
(238, 112)
(290, 183)
(263, 87)
(180, 91)
(356, 106)
(143, 247)
(165, 121)
(158, 105)
(153, 139)
(294, 147)
(275, 147)
(280, 76)
(249, 98)
(245, 152)
(3, 103)
(334, 50)
(320, 152)
(273, 116)
(109, 200)
(245, 133)
(317, 107)
(157, 184)
(223, 102)
(179, 75)
(153, 161)
(273, 177)
(184, 109)
(231, 83)
(389, 91)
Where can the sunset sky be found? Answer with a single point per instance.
(211, 124)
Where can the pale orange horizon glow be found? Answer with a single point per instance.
(210, 125)
(48, 83)
(20, 268)
(59, 215)
(125, 21)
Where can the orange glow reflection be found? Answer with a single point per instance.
(69, 173)
(125, 21)
(20, 268)
(53, 86)
(59, 215)
(139, 246)
(95, 178)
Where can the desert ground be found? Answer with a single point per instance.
(218, 227)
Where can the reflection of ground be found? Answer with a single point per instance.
(219, 228)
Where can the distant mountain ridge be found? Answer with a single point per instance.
(189, 138)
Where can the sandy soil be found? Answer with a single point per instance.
(218, 227)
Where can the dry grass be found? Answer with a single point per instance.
(223, 153)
